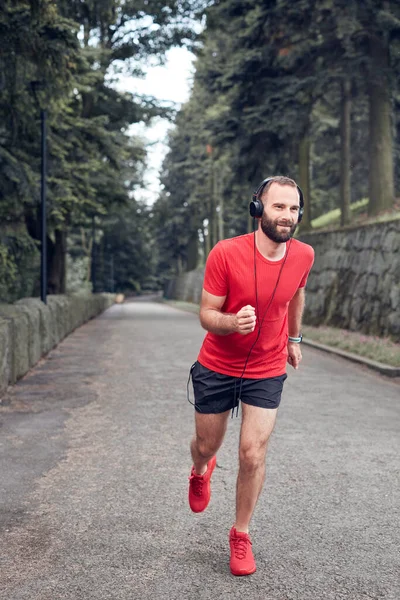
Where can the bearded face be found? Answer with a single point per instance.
(278, 230)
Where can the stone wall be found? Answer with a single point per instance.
(29, 329)
(186, 287)
(354, 283)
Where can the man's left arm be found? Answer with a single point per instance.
(295, 313)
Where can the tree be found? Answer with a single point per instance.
(88, 119)
(37, 45)
(281, 100)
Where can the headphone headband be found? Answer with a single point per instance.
(256, 206)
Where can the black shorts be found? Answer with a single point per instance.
(217, 393)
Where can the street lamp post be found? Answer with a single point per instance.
(112, 273)
(93, 263)
(39, 86)
(43, 217)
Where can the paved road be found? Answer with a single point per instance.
(94, 463)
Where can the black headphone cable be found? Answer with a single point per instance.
(236, 402)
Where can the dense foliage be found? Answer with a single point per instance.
(60, 60)
(306, 89)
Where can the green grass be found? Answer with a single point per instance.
(382, 350)
(333, 217)
(359, 216)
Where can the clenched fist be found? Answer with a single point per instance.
(246, 320)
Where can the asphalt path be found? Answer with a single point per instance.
(94, 463)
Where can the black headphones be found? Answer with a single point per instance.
(256, 206)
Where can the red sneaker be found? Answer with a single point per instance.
(242, 560)
(199, 487)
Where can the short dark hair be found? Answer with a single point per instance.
(281, 180)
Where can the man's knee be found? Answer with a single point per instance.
(206, 448)
(252, 456)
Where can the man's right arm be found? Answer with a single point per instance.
(215, 321)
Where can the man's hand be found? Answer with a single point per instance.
(245, 320)
(294, 354)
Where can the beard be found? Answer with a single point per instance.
(271, 230)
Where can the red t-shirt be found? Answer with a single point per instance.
(230, 272)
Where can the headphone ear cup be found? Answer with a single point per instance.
(301, 209)
(256, 208)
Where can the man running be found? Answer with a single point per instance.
(251, 306)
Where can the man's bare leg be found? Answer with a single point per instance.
(257, 426)
(209, 435)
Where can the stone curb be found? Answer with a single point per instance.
(371, 364)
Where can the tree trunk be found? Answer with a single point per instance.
(220, 214)
(179, 265)
(215, 212)
(57, 252)
(219, 187)
(221, 233)
(192, 251)
(206, 237)
(345, 152)
(381, 178)
(304, 179)
(212, 217)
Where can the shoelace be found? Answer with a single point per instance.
(196, 483)
(240, 547)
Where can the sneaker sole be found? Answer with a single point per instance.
(243, 573)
